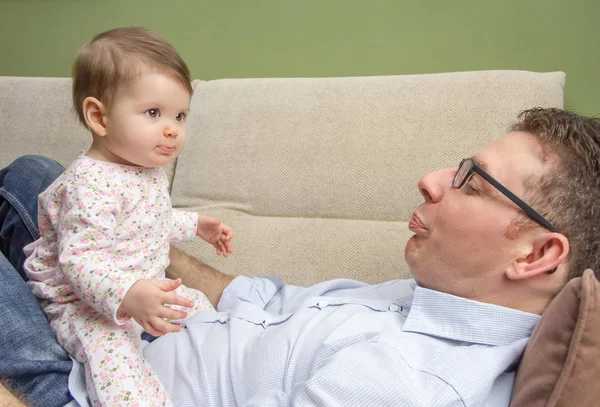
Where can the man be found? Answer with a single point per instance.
(485, 264)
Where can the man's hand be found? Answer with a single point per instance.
(145, 302)
(215, 233)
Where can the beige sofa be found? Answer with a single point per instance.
(317, 177)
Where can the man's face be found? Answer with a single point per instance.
(460, 245)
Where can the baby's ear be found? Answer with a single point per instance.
(94, 113)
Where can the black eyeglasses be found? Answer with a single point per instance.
(464, 173)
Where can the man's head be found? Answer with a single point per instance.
(132, 90)
(477, 243)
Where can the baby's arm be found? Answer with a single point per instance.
(188, 224)
(216, 233)
(86, 233)
(185, 225)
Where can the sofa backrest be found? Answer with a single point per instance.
(317, 177)
(37, 117)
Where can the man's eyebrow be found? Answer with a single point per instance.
(480, 163)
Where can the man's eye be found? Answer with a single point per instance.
(470, 190)
(153, 113)
(180, 117)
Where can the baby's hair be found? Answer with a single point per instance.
(115, 58)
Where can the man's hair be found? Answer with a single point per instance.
(568, 192)
(115, 58)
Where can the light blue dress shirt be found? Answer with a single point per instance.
(342, 343)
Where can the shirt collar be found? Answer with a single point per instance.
(447, 316)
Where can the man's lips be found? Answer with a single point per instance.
(415, 224)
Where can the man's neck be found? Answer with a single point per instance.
(519, 295)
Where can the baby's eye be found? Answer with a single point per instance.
(153, 113)
(180, 117)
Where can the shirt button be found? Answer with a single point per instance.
(393, 308)
(223, 319)
(322, 304)
(266, 323)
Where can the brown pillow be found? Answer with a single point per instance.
(561, 363)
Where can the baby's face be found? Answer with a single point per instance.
(145, 124)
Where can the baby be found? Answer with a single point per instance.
(106, 223)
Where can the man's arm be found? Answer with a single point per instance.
(268, 293)
(197, 275)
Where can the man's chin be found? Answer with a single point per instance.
(411, 246)
(413, 253)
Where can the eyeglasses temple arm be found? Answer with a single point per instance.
(520, 203)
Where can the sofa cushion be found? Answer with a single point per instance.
(560, 365)
(318, 176)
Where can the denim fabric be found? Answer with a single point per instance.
(32, 364)
(20, 184)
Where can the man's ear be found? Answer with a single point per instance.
(94, 113)
(544, 253)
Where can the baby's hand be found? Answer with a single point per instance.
(215, 233)
(145, 302)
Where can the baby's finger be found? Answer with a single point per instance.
(168, 285)
(152, 331)
(171, 313)
(174, 299)
(217, 246)
(222, 249)
(161, 325)
(228, 247)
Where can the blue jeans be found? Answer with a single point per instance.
(32, 364)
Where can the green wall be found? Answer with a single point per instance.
(284, 38)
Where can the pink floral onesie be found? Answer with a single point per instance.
(103, 227)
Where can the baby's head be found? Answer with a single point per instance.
(132, 90)
(116, 58)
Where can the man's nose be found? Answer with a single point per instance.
(434, 185)
(170, 131)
